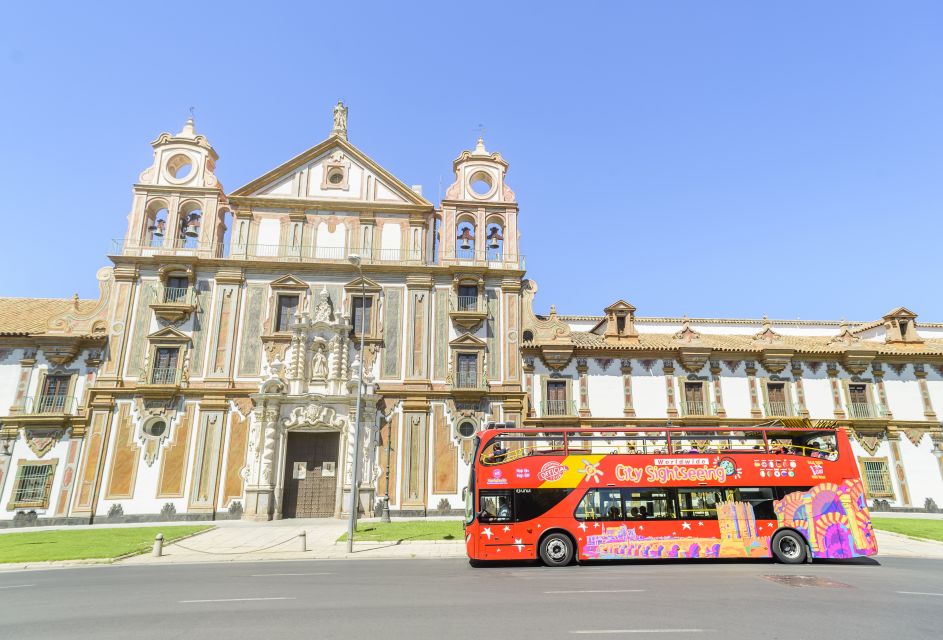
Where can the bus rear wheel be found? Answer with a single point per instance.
(788, 547)
(556, 550)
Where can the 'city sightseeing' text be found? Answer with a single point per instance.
(664, 475)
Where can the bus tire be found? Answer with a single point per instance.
(556, 549)
(788, 547)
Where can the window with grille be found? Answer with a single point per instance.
(175, 289)
(287, 306)
(467, 374)
(165, 365)
(467, 298)
(877, 477)
(694, 398)
(55, 392)
(33, 485)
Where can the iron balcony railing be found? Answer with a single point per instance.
(557, 408)
(49, 404)
(865, 410)
(466, 303)
(697, 408)
(780, 409)
(464, 380)
(164, 375)
(176, 295)
(280, 252)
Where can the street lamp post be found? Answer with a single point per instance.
(354, 259)
(385, 512)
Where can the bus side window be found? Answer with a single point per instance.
(600, 504)
(761, 498)
(698, 503)
(644, 504)
(495, 507)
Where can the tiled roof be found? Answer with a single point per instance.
(802, 344)
(30, 316)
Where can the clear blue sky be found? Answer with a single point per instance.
(707, 158)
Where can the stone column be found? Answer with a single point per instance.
(528, 366)
(878, 371)
(27, 363)
(921, 373)
(755, 411)
(669, 369)
(583, 368)
(260, 487)
(718, 393)
(800, 390)
(832, 370)
(625, 366)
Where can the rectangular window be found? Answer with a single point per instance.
(33, 485)
(699, 503)
(287, 306)
(649, 504)
(877, 477)
(694, 398)
(361, 315)
(175, 290)
(761, 498)
(556, 404)
(165, 365)
(776, 396)
(495, 507)
(859, 406)
(600, 504)
(467, 374)
(54, 394)
(620, 325)
(467, 298)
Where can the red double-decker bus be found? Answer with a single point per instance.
(788, 489)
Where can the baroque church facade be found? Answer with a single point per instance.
(217, 374)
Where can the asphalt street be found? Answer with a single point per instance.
(896, 598)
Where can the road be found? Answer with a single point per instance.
(896, 598)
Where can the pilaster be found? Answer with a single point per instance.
(625, 366)
(669, 370)
(718, 394)
(832, 370)
(582, 369)
(921, 373)
(800, 389)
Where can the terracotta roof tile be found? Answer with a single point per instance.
(30, 316)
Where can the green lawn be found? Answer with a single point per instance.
(81, 544)
(914, 527)
(410, 530)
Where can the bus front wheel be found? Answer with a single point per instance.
(788, 547)
(556, 550)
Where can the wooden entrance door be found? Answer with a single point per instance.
(310, 475)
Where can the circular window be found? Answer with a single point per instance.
(336, 177)
(155, 428)
(466, 429)
(179, 166)
(481, 183)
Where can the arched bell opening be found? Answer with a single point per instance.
(494, 238)
(156, 224)
(465, 238)
(189, 224)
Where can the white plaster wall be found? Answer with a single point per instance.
(935, 389)
(903, 399)
(933, 333)
(356, 175)
(923, 471)
(736, 395)
(649, 397)
(9, 376)
(269, 231)
(605, 395)
(390, 237)
(818, 396)
(328, 240)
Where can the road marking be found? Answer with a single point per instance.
(266, 575)
(920, 593)
(599, 591)
(16, 586)
(231, 600)
(618, 631)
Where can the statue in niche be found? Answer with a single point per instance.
(319, 364)
(322, 312)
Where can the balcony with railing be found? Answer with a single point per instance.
(697, 408)
(557, 408)
(49, 404)
(467, 311)
(780, 409)
(865, 411)
(174, 303)
(164, 376)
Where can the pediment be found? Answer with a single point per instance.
(288, 282)
(619, 305)
(168, 334)
(900, 312)
(369, 285)
(303, 178)
(468, 340)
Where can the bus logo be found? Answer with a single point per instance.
(497, 477)
(552, 471)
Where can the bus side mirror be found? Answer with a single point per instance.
(464, 493)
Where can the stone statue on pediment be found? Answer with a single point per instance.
(340, 118)
(323, 310)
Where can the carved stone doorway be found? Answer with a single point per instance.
(311, 471)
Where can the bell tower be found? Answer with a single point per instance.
(178, 203)
(479, 212)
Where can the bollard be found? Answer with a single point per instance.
(304, 540)
(158, 545)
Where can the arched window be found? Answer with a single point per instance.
(465, 239)
(494, 239)
(156, 225)
(189, 225)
